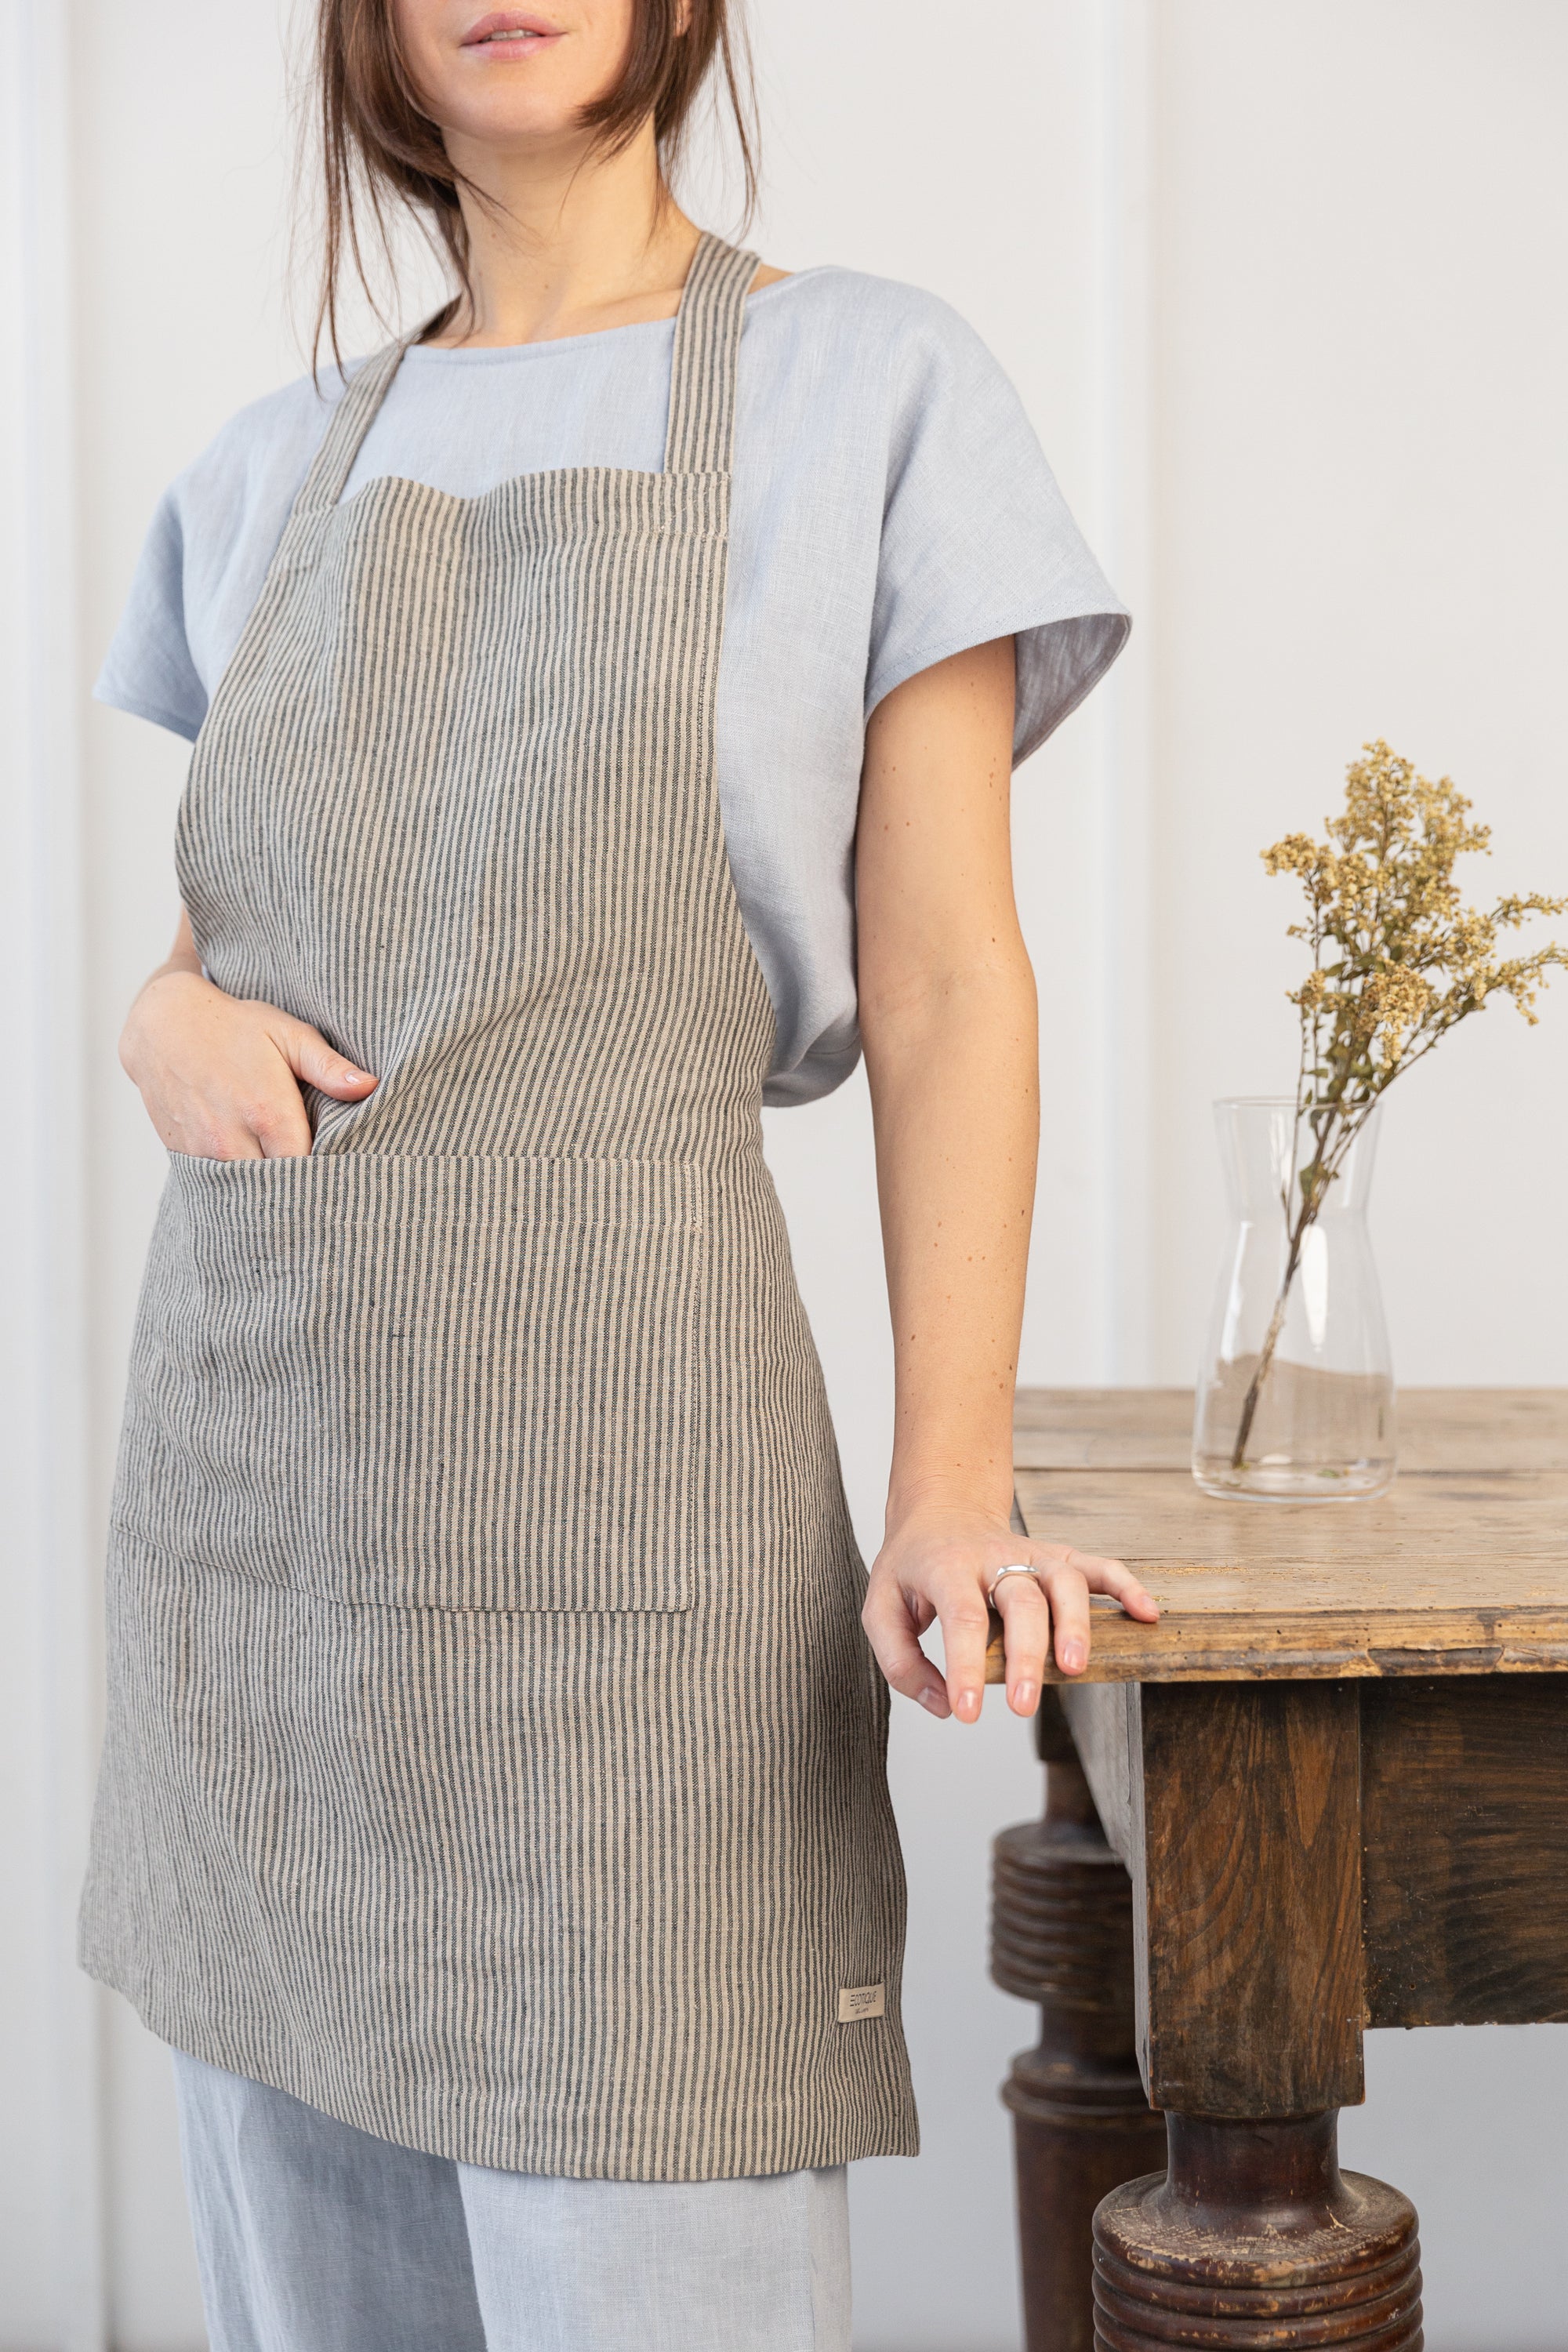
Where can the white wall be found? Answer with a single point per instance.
(1363, 356)
(1281, 287)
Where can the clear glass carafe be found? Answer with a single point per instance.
(1295, 1397)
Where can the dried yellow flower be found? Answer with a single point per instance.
(1398, 961)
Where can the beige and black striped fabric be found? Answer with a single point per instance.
(494, 1756)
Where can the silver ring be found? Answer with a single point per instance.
(1018, 1567)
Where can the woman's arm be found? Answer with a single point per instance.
(220, 1074)
(947, 1016)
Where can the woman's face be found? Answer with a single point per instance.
(502, 77)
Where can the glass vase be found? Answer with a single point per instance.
(1295, 1398)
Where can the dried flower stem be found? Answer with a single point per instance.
(1398, 961)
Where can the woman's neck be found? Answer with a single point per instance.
(570, 241)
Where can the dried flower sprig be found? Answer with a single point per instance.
(1398, 961)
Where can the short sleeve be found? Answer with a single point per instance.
(150, 669)
(206, 555)
(978, 542)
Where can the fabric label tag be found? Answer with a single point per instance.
(859, 2001)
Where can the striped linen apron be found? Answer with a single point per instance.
(494, 1759)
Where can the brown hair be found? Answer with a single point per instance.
(378, 147)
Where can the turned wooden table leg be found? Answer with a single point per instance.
(1238, 1806)
(1062, 1935)
(1254, 2236)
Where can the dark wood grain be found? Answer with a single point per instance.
(1337, 1772)
(1253, 2237)
(1465, 1817)
(1102, 1721)
(1246, 1895)
(1061, 1936)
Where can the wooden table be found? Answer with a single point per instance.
(1328, 1791)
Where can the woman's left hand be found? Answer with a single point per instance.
(938, 1565)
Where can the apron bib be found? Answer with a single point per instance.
(494, 1759)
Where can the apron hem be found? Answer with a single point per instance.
(800, 2143)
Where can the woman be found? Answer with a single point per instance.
(493, 1815)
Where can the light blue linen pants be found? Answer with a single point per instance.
(314, 2237)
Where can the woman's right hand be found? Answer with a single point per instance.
(220, 1074)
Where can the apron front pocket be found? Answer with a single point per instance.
(464, 1383)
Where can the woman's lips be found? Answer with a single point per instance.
(506, 33)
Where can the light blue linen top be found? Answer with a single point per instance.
(891, 506)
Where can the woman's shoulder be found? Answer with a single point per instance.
(206, 550)
(891, 345)
(268, 441)
(892, 366)
(863, 309)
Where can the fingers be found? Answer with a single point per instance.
(225, 1141)
(1046, 1616)
(1069, 1577)
(1026, 1636)
(281, 1124)
(311, 1059)
(1112, 1576)
(281, 1127)
(221, 1077)
(1067, 1589)
(892, 1633)
(965, 1632)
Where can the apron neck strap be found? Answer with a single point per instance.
(351, 420)
(707, 352)
(701, 380)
